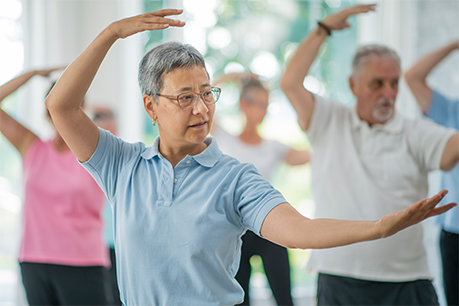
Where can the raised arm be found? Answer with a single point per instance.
(297, 69)
(18, 135)
(64, 102)
(287, 227)
(416, 76)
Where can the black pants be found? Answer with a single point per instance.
(339, 290)
(449, 247)
(49, 284)
(275, 263)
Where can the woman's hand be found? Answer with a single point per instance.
(339, 21)
(395, 222)
(146, 22)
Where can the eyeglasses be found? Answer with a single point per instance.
(189, 99)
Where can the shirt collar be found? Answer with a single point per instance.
(207, 158)
(393, 126)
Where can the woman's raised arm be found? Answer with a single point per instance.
(17, 134)
(64, 102)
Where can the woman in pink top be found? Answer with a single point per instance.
(62, 254)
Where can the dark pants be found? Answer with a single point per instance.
(49, 284)
(275, 263)
(339, 290)
(449, 247)
(113, 279)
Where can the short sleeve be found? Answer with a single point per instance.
(280, 149)
(255, 198)
(428, 141)
(322, 115)
(109, 160)
(444, 111)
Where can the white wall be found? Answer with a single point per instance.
(56, 32)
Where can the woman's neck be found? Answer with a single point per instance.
(250, 135)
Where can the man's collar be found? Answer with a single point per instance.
(394, 125)
(207, 158)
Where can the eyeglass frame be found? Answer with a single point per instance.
(195, 99)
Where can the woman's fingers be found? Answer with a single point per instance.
(426, 208)
(442, 209)
(416, 213)
(146, 22)
(167, 12)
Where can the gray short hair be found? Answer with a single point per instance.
(163, 59)
(364, 53)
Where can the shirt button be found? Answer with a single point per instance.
(175, 180)
(188, 162)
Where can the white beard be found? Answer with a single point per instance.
(381, 112)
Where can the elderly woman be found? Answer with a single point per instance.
(180, 206)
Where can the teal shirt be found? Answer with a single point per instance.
(177, 230)
(107, 217)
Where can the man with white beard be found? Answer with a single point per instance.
(368, 160)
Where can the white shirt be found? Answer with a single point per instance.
(363, 173)
(265, 156)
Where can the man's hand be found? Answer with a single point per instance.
(339, 21)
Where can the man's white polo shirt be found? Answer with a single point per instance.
(363, 173)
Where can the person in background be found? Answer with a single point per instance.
(368, 160)
(181, 206)
(443, 111)
(104, 118)
(62, 255)
(266, 155)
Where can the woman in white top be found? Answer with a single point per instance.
(266, 155)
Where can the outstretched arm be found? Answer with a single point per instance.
(64, 102)
(416, 76)
(292, 80)
(287, 227)
(18, 135)
(297, 157)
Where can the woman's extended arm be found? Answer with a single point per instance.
(64, 102)
(285, 226)
(17, 134)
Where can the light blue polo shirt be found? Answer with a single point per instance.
(446, 112)
(177, 230)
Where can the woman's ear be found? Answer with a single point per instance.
(150, 106)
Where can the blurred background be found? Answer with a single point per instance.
(233, 36)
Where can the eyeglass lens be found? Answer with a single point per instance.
(189, 99)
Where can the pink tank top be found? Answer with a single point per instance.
(61, 214)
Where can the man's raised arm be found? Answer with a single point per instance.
(297, 69)
(416, 76)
